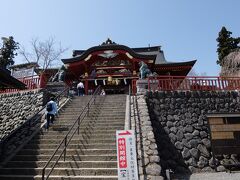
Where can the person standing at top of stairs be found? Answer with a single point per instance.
(80, 88)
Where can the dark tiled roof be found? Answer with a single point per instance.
(147, 49)
(107, 47)
(77, 52)
(186, 63)
(9, 82)
(141, 50)
(31, 64)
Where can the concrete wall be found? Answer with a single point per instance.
(180, 127)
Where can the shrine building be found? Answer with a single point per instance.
(115, 66)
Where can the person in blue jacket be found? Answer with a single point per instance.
(51, 112)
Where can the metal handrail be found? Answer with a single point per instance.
(31, 120)
(66, 140)
(129, 94)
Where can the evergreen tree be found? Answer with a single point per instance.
(226, 44)
(7, 52)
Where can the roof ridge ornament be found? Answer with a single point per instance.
(108, 42)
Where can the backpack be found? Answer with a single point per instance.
(49, 107)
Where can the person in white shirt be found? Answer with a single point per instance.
(80, 89)
(103, 93)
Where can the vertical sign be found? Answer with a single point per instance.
(126, 155)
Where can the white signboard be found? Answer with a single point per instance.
(23, 73)
(126, 155)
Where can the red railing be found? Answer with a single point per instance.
(32, 82)
(192, 83)
(207, 83)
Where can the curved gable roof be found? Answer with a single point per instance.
(108, 47)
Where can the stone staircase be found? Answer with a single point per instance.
(90, 155)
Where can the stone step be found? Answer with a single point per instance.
(72, 119)
(69, 151)
(109, 106)
(89, 124)
(77, 107)
(71, 146)
(39, 177)
(107, 114)
(91, 114)
(91, 121)
(73, 141)
(67, 127)
(82, 136)
(94, 120)
(60, 171)
(96, 131)
(97, 116)
(114, 102)
(62, 164)
(106, 157)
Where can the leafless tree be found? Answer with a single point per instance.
(231, 64)
(194, 73)
(45, 53)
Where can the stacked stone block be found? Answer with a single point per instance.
(148, 158)
(16, 108)
(181, 130)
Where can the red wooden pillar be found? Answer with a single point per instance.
(42, 83)
(86, 85)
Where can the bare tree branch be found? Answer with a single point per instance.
(194, 73)
(45, 53)
(36, 49)
(23, 53)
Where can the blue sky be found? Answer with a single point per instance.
(185, 29)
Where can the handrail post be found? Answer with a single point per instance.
(88, 109)
(130, 123)
(65, 148)
(149, 88)
(43, 174)
(78, 125)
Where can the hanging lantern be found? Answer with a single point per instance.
(110, 79)
(117, 81)
(113, 82)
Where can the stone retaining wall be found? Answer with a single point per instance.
(16, 108)
(180, 126)
(148, 157)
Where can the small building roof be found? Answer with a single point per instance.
(25, 65)
(155, 50)
(9, 82)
